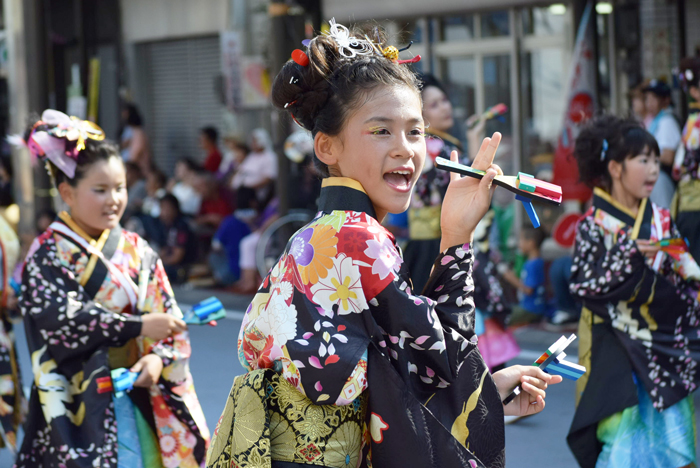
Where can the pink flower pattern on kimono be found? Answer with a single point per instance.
(386, 259)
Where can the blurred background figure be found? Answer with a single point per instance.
(665, 128)
(686, 207)
(178, 247)
(235, 151)
(6, 198)
(136, 188)
(256, 173)
(44, 219)
(638, 108)
(209, 142)
(182, 185)
(12, 402)
(134, 144)
(214, 207)
(155, 191)
(426, 202)
(224, 258)
(532, 305)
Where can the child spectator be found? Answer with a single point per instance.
(155, 190)
(531, 284)
(182, 186)
(209, 141)
(178, 248)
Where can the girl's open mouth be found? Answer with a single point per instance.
(399, 179)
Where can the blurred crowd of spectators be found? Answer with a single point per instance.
(205, 221)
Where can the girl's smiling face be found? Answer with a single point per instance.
(635, 177)
(382, 146)
(98, 200)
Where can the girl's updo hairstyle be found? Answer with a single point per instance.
(625, 139)
(322, 95)
(94, 151)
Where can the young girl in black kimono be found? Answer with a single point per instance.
(347, 366)
(640, 322)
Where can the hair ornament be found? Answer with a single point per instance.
(296, 121)
(51, 144)
(605, 150)
(300, 57)
(415, 59)
(349, 46)
(407, 47)
(392, 53)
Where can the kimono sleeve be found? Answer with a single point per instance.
(428, 337)
(57, 307)
(683, 272)
(600, 275)
(175, 350)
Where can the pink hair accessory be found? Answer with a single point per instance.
(51, 144)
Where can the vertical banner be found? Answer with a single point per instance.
(256, 83)
(581, 106)
(231, 68)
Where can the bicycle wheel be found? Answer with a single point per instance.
(274, 239)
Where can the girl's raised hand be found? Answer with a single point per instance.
(468, 199)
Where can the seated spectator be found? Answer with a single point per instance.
(531, 284)
(183, 186)
(568, 310)
(178, 247)
(258, 170)
(136, 189)
(155, 190)
(250, 279)
(209, 141)
(214, 207)
(225, 250)
(236, 152)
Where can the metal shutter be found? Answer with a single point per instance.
(181, 82)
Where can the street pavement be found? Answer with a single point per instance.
(530, 442)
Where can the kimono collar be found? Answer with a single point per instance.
(641, 224)
(445, 136)
(344, 194)
(68, 221)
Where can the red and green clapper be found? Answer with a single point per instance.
(525, 187)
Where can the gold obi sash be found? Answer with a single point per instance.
(689, 196)
(124, 356)
(424, 223)
(266, 418)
